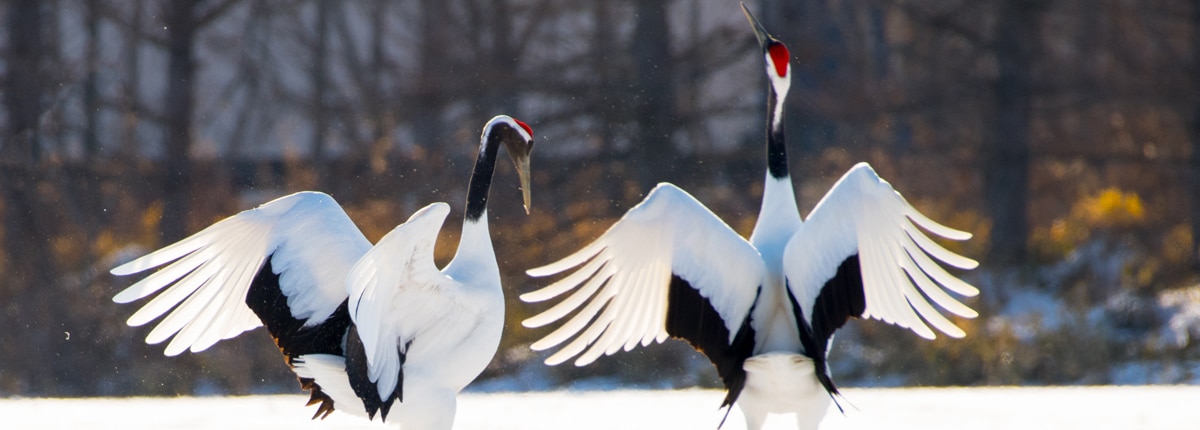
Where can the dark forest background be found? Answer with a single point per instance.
(1065, 134)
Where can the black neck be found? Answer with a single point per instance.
(481, 177)
(777, 162)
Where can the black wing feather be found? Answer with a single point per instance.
(360, 379)
(269, 303)
(692, 318)
(840, 298)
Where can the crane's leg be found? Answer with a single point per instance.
(425, 410)
(811, 412)
(807, 422)
(755, 417)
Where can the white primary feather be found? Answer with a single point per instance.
(863, 215)
(208, 274)
(627, 271)
(397, 292)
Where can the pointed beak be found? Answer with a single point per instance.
(519, 150)
(759, 31)
(523, 173)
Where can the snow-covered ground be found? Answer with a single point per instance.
(1092, 408)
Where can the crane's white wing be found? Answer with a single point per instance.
(859, 254)
(311, 244)
(398, 294)
(665, 266)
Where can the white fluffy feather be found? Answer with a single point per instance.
(397, 288)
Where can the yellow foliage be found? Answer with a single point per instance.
(1067, 232)
(105, 243)
(1177, 246)
(1110, 208)
(152, 216)
(66, 248)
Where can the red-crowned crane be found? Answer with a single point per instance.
(764, 311)
(367, 329)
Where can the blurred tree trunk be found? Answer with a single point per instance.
(131, 97)
(91, 99)
(605, 61)
(28, 265)
(382, 117)
(23, 78)
(430, 80)
(182, 25)
(1194, 130)
(501, 55)
(87, 182)
(184, 19)
(653, 97)
(52, 140)
(432, 67)
(25, 242)
(320, 89)
(881, 77)
(1006, 151)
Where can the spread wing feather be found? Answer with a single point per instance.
(863, 217)
(621, 294)
(203, 285)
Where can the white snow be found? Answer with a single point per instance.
(1092, 408)
(1183, 306)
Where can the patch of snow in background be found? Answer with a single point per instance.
(1029, 312)
(1182, 307)
(1156, 372)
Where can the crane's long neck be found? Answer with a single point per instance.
(475, 244)
(778, 217)
(481, 179)
(777, 161)
(778, 220)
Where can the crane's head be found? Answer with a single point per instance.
(774, 53)
(517, 138)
